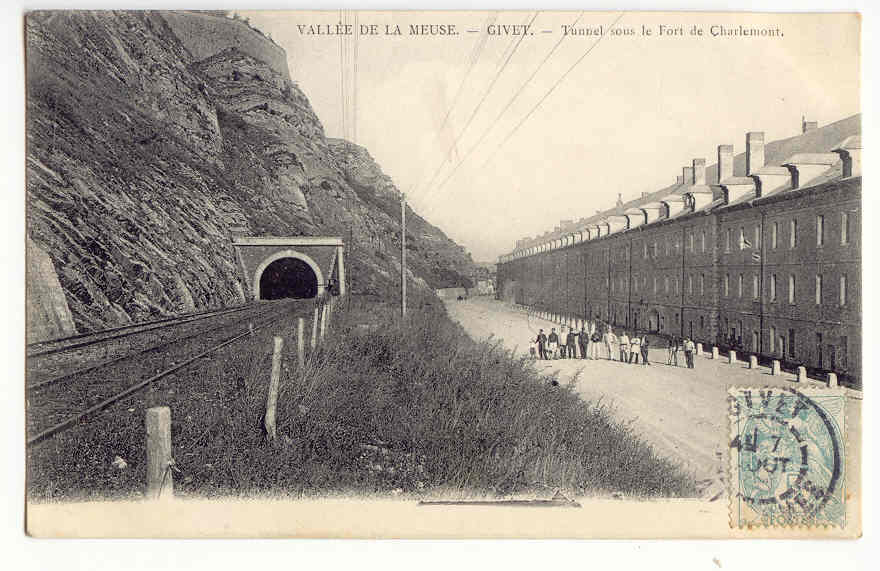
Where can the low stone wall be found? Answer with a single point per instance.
(48, 316)
(205, 35)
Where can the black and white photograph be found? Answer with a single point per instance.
(443, 274)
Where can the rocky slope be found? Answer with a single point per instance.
(141, 160)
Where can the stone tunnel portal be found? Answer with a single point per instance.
(288, 278)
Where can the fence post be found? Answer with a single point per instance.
(314, 339)
(300, 342)
(775, 368)
(272, 397)
(323, 323)
(801, 374)
(753, 362)
(160, 481)
(731, 357)
(714, 352)
(699, 348)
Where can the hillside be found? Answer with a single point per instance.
(141, 161)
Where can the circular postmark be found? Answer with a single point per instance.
(789, 458)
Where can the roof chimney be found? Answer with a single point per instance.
(754, 151)
(699, 171)
(807, 126)
(725, 162)
(688, 175)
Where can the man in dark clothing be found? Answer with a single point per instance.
(583, 339)
(553, 341)
(542, 344)
(571, 344)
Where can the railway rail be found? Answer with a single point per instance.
(55, 406)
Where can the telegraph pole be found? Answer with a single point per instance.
(402, 254)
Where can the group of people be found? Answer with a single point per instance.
(572, 344)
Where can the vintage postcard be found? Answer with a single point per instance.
(487, 274)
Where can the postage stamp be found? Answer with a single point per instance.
(787, 457)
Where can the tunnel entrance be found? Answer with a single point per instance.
(288, 277)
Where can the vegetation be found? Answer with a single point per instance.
(410, 407)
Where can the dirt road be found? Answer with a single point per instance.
(681, 412)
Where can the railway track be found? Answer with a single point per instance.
(60, 401)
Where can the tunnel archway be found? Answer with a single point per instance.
(288, 274)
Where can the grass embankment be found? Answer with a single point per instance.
(413, 406)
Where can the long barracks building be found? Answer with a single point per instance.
(760, 251)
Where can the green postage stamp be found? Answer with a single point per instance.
(787, 453)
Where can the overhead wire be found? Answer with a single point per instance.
(430, 192)
(498, 73)
(549, 92)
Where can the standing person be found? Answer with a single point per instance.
(610, 343)
(542, 345)
(689, 352)
(571, 343)
(595, 339)
(563, 342)
(670, 348)
(676, 350)
(624, 347)
(634, 349)
(553, 343)
(583, 342)
(644, 349)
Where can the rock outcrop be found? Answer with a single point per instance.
(141, 160)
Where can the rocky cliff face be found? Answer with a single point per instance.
(141, 160)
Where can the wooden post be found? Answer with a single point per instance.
(314, 339)
(775, 368)
(160, 481)
(801, 374)
(753, 362)
(272, 398)
(731, 357)
(300, 342)
(714, 352)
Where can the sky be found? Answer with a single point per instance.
(492, 151)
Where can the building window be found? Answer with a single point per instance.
(755, 340)
(702, 240)
(742, 238)
(654, 254)
(792, 233)
(773, 287)
(655, 284)
(739, 286)
(667, 245)
(844, 228)
(774, 233)
(690, 285)
(726, 285)
(702, 280)
(843, 289)
(791, 285)
(820, 230)
(757, 242)
(791, 342)
(755, 286)
(727, 241)
(772, 339)
(818, 289)
(665, 284)
(646, 250)
(675, 285)
(691, 242)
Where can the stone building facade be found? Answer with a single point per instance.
(765, 258)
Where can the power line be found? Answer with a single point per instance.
(504, 110)
(549, 91)
(476, 52)
(480, 104)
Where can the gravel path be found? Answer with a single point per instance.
(681, 412)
